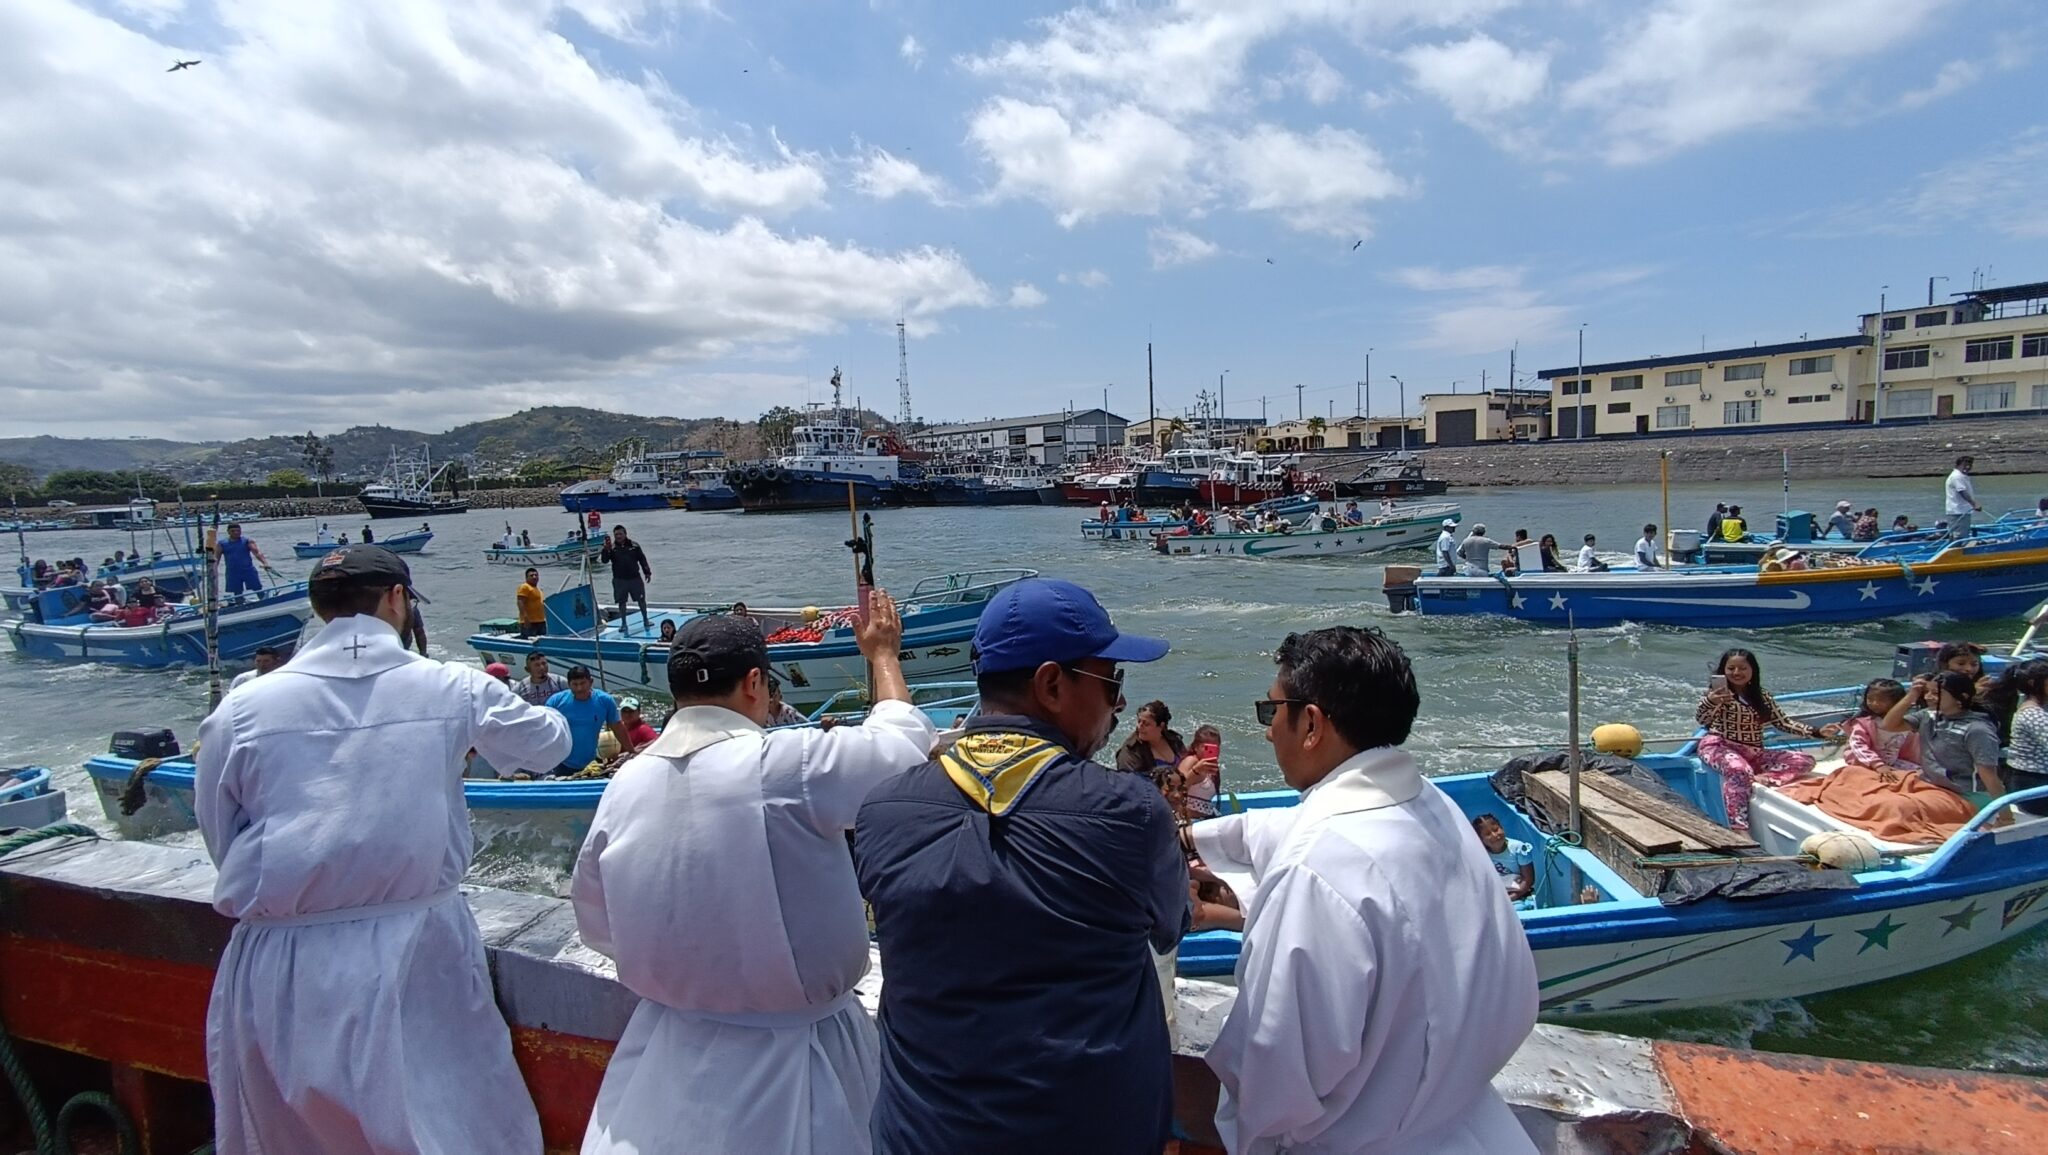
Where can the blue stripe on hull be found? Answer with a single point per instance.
(610, 503)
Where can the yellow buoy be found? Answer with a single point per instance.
(811, 613)
(1618, 738)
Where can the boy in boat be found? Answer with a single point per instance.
(1513, 859)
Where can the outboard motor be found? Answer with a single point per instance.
(1399, 586)
(140, 744)
(1912, 660)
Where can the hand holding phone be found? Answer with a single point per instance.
(1718, 684)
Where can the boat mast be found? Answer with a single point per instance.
(26, 570)
(213, 613)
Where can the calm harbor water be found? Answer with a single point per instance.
(1485, 684)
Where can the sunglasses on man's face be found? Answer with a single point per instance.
(1114, 678)
(1269, 708)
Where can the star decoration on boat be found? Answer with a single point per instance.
(1879, 935)
(1516, 601)
(1869, 591)
(1805, 944)
(1925, 585)
(1557, 601)
(1961, 919)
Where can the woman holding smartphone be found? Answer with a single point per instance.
(1201, 775)
(1735, 713)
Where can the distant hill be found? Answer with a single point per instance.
(561, 433)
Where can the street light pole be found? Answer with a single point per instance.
(1877, 388)
(1579, 423)
(1222, 414)
(1402, 416)
(1297, 402)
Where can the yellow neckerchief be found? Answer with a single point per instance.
(995, 767)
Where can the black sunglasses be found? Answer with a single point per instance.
(1269, 708)
(1116, 678)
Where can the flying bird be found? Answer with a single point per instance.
(180, 66)
(1269, 260)
(1356, 243)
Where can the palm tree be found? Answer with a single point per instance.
(1316, 425)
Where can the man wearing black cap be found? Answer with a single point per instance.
(353, 989)
(716, 876)
(1019, 890)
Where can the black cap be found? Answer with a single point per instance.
(714, 647)
(365, 565)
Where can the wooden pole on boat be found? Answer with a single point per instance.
(1664, 473)
(861, 575)
(212, 602)
(1785, 479)
(1575, 757)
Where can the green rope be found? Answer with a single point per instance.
(54, 1138)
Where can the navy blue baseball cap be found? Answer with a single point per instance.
(1040, 620)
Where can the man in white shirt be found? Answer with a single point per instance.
(324, 537)
(1589, 558)
(1447, 548)
(716, 874)
(1646, 549)
(1384, 978)
(352, 1011)
(1961, 493)
(266, 659)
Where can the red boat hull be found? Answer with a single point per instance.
(1251, 493)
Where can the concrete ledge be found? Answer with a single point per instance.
(107, 949)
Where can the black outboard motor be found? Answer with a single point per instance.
(1399, 586)
(140, 744)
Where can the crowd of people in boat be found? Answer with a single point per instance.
(1920, 758)
(1189, 520)
(326, 536)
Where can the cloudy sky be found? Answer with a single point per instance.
(420, 214)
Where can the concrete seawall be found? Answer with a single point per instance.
(107, 953)
(2005, 445)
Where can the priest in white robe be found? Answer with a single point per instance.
(717, 875)
(1385, 978)
(352, 1012)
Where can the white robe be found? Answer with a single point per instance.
(1384, 979)
(717, 875)
(352, 1012)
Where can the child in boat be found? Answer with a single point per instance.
(1881, 788)
(1513, 859)
(1735, 712)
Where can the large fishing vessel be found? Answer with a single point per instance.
(829, 457)
(641, 481)
(407, 489)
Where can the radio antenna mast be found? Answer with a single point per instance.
(902, 379)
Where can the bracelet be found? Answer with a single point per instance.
(1187, 838)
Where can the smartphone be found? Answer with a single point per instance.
(1717, 682)
(1209, 751)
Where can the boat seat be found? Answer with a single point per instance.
(1780, 824)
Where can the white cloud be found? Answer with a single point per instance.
(1690, 71)
(1025, 295)
(1124, 160)
(1171, 246)
(2003, 189)
(154, 13)
(884, 176)
(1316, 183)
(1480, 78)
(1086, 278)
(1954, 76)
(911, 51)
(1313, 77)
(1492, 311)
(414, 214)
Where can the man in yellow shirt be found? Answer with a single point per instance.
(1733, 528)
(533, 614)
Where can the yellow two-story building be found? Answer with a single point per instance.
(1985, 353)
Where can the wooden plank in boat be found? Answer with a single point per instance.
(1605, 816)
(1695, 826)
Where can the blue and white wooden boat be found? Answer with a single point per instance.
(1987, 575)
(529, 818)
(1297, 509)
(58, 630)
(569, 551)
(1411, 528)
(173, 577)
(27, 800)
(939, 616)
(1920, 908)
(412, 542)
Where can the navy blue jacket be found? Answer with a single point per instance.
(1016, 889)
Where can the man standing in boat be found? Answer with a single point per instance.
(352, 1010)
(630, 573)
(241, 557)
(716, 875)
(533, 612)
(1961, 497)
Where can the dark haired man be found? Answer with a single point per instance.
(1019, 889)
(330, 796)
(590, 711)
(1385, 979)
(630, 572)
(1960, 497)
(532, 603)
(716, 875)
(266, 658)
(539, 685)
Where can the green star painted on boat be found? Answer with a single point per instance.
(1961, 919)
(1879, 935)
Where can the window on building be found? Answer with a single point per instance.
(1622, 407)
(1925, 320)
(2041, 396)
(1678, 377)
(2034, 345)
(1801, 366)
(1017, 438)
(1054, 435)
(1674, 416)
(1739, 413)
(1807, 400)
(1989, 349)
(1620, 384)
(1750, 372)
(1910, 357)
(1908, 402)
(1989, 398)
(1569, 388)
(1894, 324)
(1497, 406)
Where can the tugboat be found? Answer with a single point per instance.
(409, 490)
(641, 481)
(828, 454)
(1395, 475)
